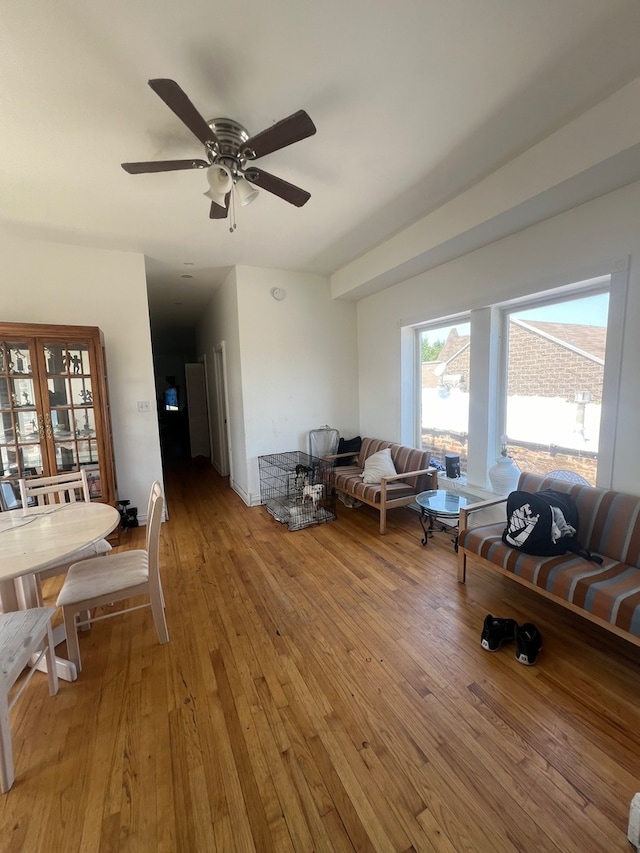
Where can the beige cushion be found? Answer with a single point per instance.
(377, 466)
(102, 575)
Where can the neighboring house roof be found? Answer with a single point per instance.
(453, 346)
(589, 340)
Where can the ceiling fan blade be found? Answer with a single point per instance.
(284, 132)
(218, 212)
(179, 103)
(277, 186)
(163, 166)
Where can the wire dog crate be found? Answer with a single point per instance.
(297, 489)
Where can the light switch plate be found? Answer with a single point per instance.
(143, 406)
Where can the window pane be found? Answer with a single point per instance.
(555, 369)
(444, 364)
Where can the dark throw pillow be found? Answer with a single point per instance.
(348, 445)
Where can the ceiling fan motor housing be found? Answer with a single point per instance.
(231, 137)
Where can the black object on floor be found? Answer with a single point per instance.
(528, 643)
(497, 631)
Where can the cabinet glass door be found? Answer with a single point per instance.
(21, 423)
(71, 421)
(54, 408)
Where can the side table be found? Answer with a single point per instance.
(439, 504)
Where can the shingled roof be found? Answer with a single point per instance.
(589, 339)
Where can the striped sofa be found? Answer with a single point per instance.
(414, 475)
(607, 594)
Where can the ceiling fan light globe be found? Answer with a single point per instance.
(216, 197)
(246, 193)
(219, 178)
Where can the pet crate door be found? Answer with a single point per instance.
(323, 442)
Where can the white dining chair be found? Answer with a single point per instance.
(23, 633)
(116, 577)
(68, 487)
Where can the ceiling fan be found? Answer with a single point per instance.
(229, 152)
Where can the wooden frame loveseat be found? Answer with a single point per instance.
(609, 526)
(414, 475)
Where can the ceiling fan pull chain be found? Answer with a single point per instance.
(232, 210)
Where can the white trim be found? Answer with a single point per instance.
(611, 378)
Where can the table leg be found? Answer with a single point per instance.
(65, 669)
(427, 528)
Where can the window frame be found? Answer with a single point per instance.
(615, 285)
(439, 323)
(487, 378)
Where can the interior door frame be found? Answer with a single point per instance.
(222, 411)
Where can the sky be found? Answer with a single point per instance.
(588, 311)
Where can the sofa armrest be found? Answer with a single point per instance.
(404, 474)
(333, 456)
(471, 508)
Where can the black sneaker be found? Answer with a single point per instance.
(496, 632)
(528, 643)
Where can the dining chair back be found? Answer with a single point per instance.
(68, 487)
(23, 633)
(113, 578)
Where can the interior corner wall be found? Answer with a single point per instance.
(298, 365)
(585, 241)
(47, 282)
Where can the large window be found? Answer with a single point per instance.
(539, 374)
(444, 381)
(554, 371)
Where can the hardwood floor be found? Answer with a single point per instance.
(325, 690)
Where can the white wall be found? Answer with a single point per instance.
(220, 325)
(591, 239)
(294, 365)
(54, 283)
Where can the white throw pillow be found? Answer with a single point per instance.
(377, 466)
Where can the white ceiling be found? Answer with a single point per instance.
(413, 100)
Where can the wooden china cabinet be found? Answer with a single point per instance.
(54, 406)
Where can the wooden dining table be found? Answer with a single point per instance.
(37, 538)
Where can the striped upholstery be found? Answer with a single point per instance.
(404, 459)
(349, 479)
(368, 492)
(609, 526)
(398, 492)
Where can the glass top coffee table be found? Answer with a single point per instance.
(439, 505)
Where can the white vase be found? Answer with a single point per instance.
(504, 475)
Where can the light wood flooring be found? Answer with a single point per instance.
(325, 690)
